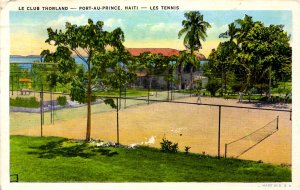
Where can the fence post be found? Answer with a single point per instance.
(277, 122)
(41, 111)
(148, 92)
(291, 115)
(171, 91)
(18, 86)
(120, 95)
(51, 101)
(43, 104)
(125, 98)
(118, 142)
(219, 132)
(225, 150)
(53, 110)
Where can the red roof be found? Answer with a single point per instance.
(165, 51)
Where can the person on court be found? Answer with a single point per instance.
(199, 98)
(240, 96)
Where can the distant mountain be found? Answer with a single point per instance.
(24, 56)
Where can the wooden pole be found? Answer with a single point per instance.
(225, 150)
(277, 122)
(118, 140)
(125, 98)
(41, 111)
(219, 132)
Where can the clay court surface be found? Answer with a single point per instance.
(188, 125)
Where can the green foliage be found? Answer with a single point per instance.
(213, 86)
(111, 103)
(62, 100)
(237, 88)
(39, 76)
(194, 30)
(93, 40)
(168, 146)
(24, 102)
(254, 54)
(106, 62)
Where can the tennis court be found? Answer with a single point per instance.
(190, 125)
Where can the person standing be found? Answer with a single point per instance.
(199, 98)
(240, 96)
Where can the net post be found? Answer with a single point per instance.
(277, 121)
(291, 115)
(219, 132)
(225, 150)
(118, 142)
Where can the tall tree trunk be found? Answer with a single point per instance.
(179, 81)
(150, 82)
(222, 87)
(180, 77)
(191, 82)
(225, 82)
(269, 85)
(89, 92)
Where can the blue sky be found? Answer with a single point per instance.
(141, 28)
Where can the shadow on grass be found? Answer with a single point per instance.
(72, 149)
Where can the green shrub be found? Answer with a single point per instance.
(213, 86)
(264, 99)
(168, 146)
(187, 149)
(25, 102)
(61, 100)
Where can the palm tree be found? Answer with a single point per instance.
(227, 50)
(181, 63)
(231, 33)
(194, 29)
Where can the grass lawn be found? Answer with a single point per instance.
(129, 93)
(54, 159)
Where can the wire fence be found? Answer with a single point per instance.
(191, 123)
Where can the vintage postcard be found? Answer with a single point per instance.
(149, 94)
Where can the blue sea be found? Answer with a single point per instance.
(24, 60)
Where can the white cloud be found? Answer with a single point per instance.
(159, 27)
(215, 30)
(113, 22)
(165, 27)
(61, 21)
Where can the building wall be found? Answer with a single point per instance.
(159, 82)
